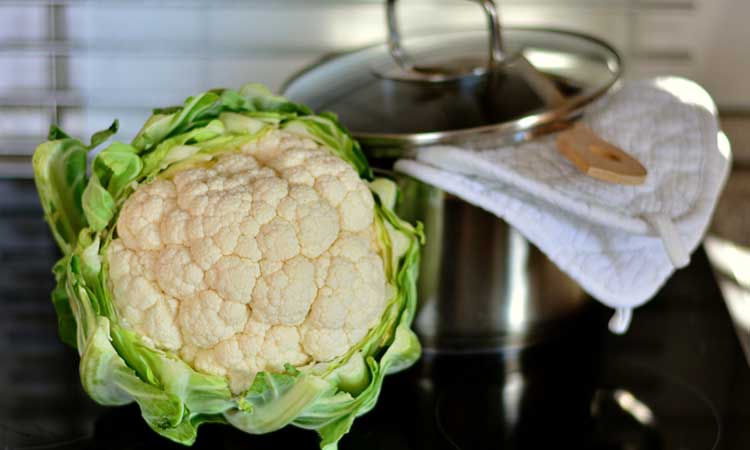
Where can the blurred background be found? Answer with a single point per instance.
(83, 63)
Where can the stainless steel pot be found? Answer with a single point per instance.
(482, 285)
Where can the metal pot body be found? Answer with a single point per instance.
(482, 285)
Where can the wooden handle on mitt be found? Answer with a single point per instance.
(598, 158)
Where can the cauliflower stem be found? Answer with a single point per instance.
(237, 262)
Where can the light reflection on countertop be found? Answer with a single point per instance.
(731, 264)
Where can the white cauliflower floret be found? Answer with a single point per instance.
(267, 257)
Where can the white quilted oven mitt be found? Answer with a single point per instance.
(620, 243)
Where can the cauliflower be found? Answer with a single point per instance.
(237, 262)
(268, 256)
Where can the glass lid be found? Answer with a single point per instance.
(448, 88)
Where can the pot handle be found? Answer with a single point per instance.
(414, 72)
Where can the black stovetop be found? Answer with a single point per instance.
(678, 380)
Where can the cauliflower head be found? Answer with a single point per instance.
(267, 256)
(237, 263)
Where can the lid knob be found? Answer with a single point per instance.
(410, 71)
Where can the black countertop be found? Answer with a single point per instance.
(677, 380)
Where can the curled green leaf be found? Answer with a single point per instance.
(98, 205)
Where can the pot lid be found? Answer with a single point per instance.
(448, 89)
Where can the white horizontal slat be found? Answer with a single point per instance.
(670, 31)
(669, 4)
(645, 68)
(21, 71)
(143, 26)
(127, 74)
(23, 121)
(18, 22)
